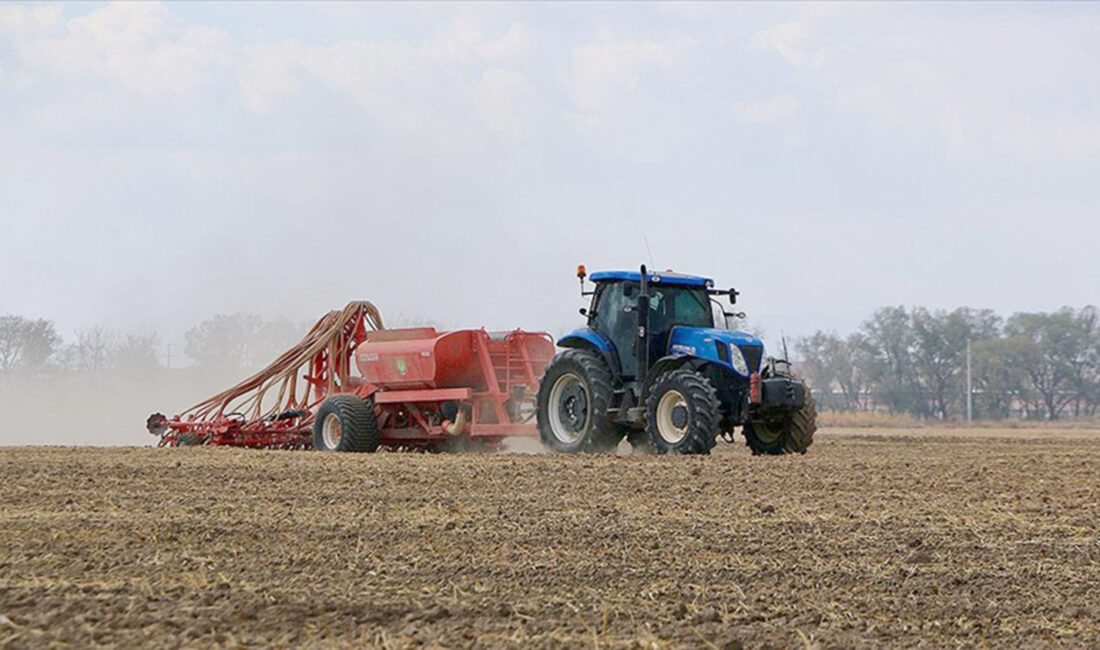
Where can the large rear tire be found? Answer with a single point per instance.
(572, 404)
(346, 423)
(683, 413)
(792, 435)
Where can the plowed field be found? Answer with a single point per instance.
(870, 540)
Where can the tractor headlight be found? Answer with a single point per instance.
(737, 360)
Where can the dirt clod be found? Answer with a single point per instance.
(707, 615)
(920, 557)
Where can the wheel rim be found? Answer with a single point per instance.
(672, 417)
(331, 431)
(767, 434)
(569, 408)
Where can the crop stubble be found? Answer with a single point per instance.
(868, 540)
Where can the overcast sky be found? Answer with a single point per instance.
(162, 163)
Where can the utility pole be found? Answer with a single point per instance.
(969, 388)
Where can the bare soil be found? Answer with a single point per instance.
(870, 540)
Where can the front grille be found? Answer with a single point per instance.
(752, 353)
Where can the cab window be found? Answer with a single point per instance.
(616, 304)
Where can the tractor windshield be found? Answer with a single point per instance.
(671, 306)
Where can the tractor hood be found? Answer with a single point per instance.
(719, 346)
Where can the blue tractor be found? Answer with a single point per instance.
(657, 365)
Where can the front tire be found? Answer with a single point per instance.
(791, 435)
(683, 413)
(346, 423)
(574, 395)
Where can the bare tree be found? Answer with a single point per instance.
(939, 352)
(1084, 360)
(1000, 376)
(239, 341)
(26, 344)
(1055, 347)
(92, 352)
(99, 350)
(222, 341)
(137, 353)
(829, 363)
(886, 350)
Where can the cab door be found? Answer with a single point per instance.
(615, 317)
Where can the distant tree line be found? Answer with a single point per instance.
(32, 348)
(1032, 365)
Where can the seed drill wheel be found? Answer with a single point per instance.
(682, 413)
(792, 434)
(572, 404)
(346, 423)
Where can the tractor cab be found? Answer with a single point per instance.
(674, 300)
(681, 319)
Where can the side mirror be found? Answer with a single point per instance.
(733, 296)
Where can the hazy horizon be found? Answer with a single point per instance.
(167, 162)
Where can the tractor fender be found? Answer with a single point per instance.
(587, 339)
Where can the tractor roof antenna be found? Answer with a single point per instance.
(652, 264)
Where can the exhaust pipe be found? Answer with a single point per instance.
(642, 349)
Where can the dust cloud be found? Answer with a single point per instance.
(106, 410)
